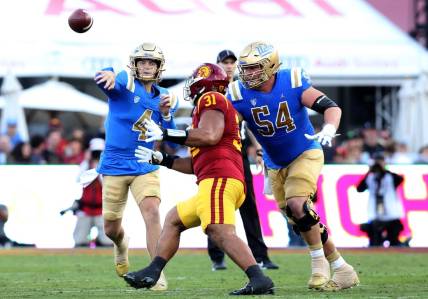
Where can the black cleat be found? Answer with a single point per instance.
(141, 279)
(268, 264)
(219, 266)
(263, 286)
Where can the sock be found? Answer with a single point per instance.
(254, 271)
(158, 264)
(338, 263)
(317, 253)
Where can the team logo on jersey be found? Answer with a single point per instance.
(306, 76)
(253, 101)
(204, 72)
(136, 99)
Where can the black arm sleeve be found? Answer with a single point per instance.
(322, 103)
(362, 185)
(398, 179)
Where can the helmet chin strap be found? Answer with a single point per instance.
(200, 92)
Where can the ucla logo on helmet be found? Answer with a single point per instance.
(204, 72)
(264, 49)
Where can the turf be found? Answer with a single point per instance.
(90, 274)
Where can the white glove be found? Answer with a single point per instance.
(153, 132)
(146, 155)
(324, 137)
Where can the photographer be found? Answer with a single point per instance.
(385, 208)
(88, 209)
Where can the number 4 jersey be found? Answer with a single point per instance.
(129, 105)
(278, 118)
(223, 160)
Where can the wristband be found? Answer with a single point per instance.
(176, 136)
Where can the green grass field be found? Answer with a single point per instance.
(90, 274)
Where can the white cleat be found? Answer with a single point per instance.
(161, 285)
(343, 278)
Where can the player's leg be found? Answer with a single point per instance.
(115, 194)
(177, 220)
(296, 184)
(146, 191)
(218, 199)
(102, 239)
(81, 231)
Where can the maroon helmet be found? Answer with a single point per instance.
(207, 77)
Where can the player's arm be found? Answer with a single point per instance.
(109, 82)
(210, 129)
(319, 102)
(146, 155)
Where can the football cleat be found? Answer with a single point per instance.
(343, 278)
(161, 285)
(145, 278)
(268, 264)
(219, 266)
(259, 286)
(121, 257)
(320, 273)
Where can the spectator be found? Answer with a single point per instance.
(5, 148)
(423, 155)
(37, 143)
(21, 154)
(89, 210)
(4, 240)
(385, 208)
(12, 132)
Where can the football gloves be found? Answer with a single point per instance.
(147, 155)
(325, 136)
(153, 131)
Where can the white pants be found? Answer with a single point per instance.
(83, 227)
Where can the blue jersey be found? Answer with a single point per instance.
(277, 119)
(129, 105)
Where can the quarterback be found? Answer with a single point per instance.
(215, 147)
(273, 102)
(133, 97)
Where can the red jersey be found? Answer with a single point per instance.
(223, 160)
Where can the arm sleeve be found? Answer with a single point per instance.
(362, 185)
(398, 179)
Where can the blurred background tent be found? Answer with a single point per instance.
(54, 98)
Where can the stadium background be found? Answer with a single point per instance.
(363, 66)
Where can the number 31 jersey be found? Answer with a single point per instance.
(223, 160)
(278, 119)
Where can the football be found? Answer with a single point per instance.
(80, 21)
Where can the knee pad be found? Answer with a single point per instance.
(324, 233)
(310, 219)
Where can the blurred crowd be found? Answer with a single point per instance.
(54, 148)
(354, 147)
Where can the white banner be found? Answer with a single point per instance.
(330, 38)
(36, 194)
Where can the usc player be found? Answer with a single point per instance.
(217, 163)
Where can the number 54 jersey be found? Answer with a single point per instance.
(278, 119)
(223, 160)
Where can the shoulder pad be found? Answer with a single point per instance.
(235, 91)
(296, 77)
(130, 84)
